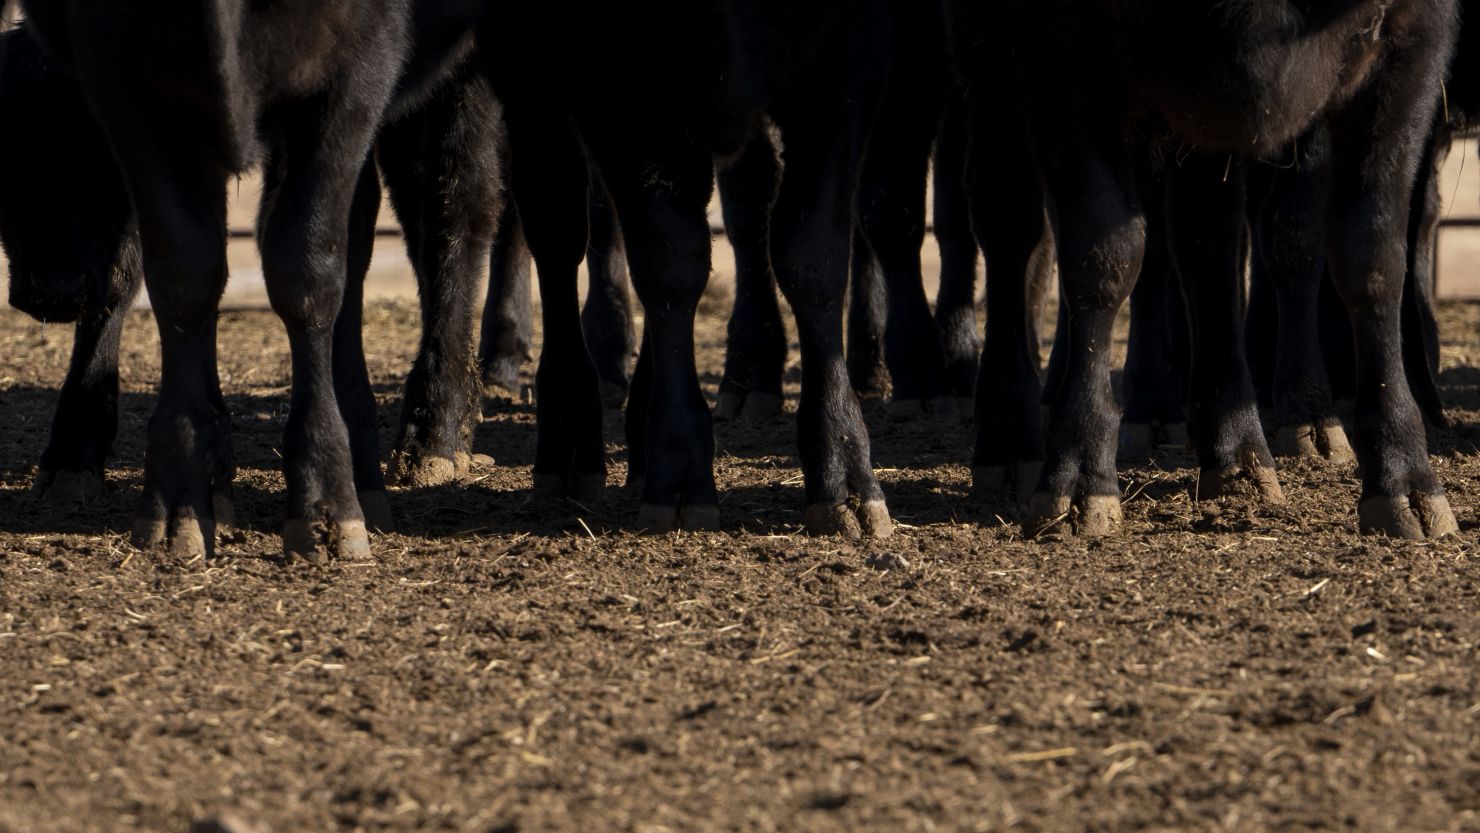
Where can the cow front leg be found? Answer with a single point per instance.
(1375, 153)
(1101, 240)
(660, 190)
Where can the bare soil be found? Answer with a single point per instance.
(507, 665)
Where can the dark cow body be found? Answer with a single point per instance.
(652, 95)
(283, 83)
(68, 232)
(1230, 79)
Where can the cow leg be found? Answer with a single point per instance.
(1007, 212)
(868, 312)
(1420, 328)
(180, 198)
(550, 179)
(661, 188)
(955, 302)
(506, 339)
(891, 217)
(1377, 145)
(755, 344)
(351, 378)
(810, 236)
(1153, 389)
(441, 166)
(1290, 260)
(1101, 240)
(86, 418)
(606, 317)
(1205, 221)
(318, 148)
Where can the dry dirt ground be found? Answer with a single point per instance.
(505, 665)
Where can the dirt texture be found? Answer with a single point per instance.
(508, 665)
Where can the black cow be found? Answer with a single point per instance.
(1230, 80)
(67, 229)
(652, 94)
(281, 83)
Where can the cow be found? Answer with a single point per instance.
(1225, 82)
(651, 95)
(280, 84)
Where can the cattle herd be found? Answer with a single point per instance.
(1258, 177)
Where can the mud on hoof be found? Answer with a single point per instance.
(582, 488)
(1324, 440)
(1139, 440)
(692, 517)
(67, 486)
(183, 538)
(870, 520)
(747, 407)
(1088, 516)
(1251, 480)
(998, 484)
(1413, 517)
(376, 507)
(908, 410)
(419, 471)
(321, 540)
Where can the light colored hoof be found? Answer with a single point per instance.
(874, 520)
(1262, 481)
(321, 540)
(1412, 517)
(224, 509)
(825, 519)
(1325, 440)
(182, 538)
(376, 507)
(1092, 516)
(425, 472)
(481, 461)
(996, 484)
(66, 487)
(663, 519)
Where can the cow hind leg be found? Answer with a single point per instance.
(1205, 222)
(955, 303)
(550, 180)
(506, 339)
(86, 418)
(606, 316)
(755, 344)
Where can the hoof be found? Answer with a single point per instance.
(662, 519)
(321, 540)
(67, 486)
(613, 395)
(1260, 482)
(583, 488)
(425, 472)
(183, 538)
(996, 484)
(823, 519)
(873, 518)
(909, 410)
(1412, 517)
(1326, 440)
(225, 509)
(1092, 516)
(376, 507)
(747, 407)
